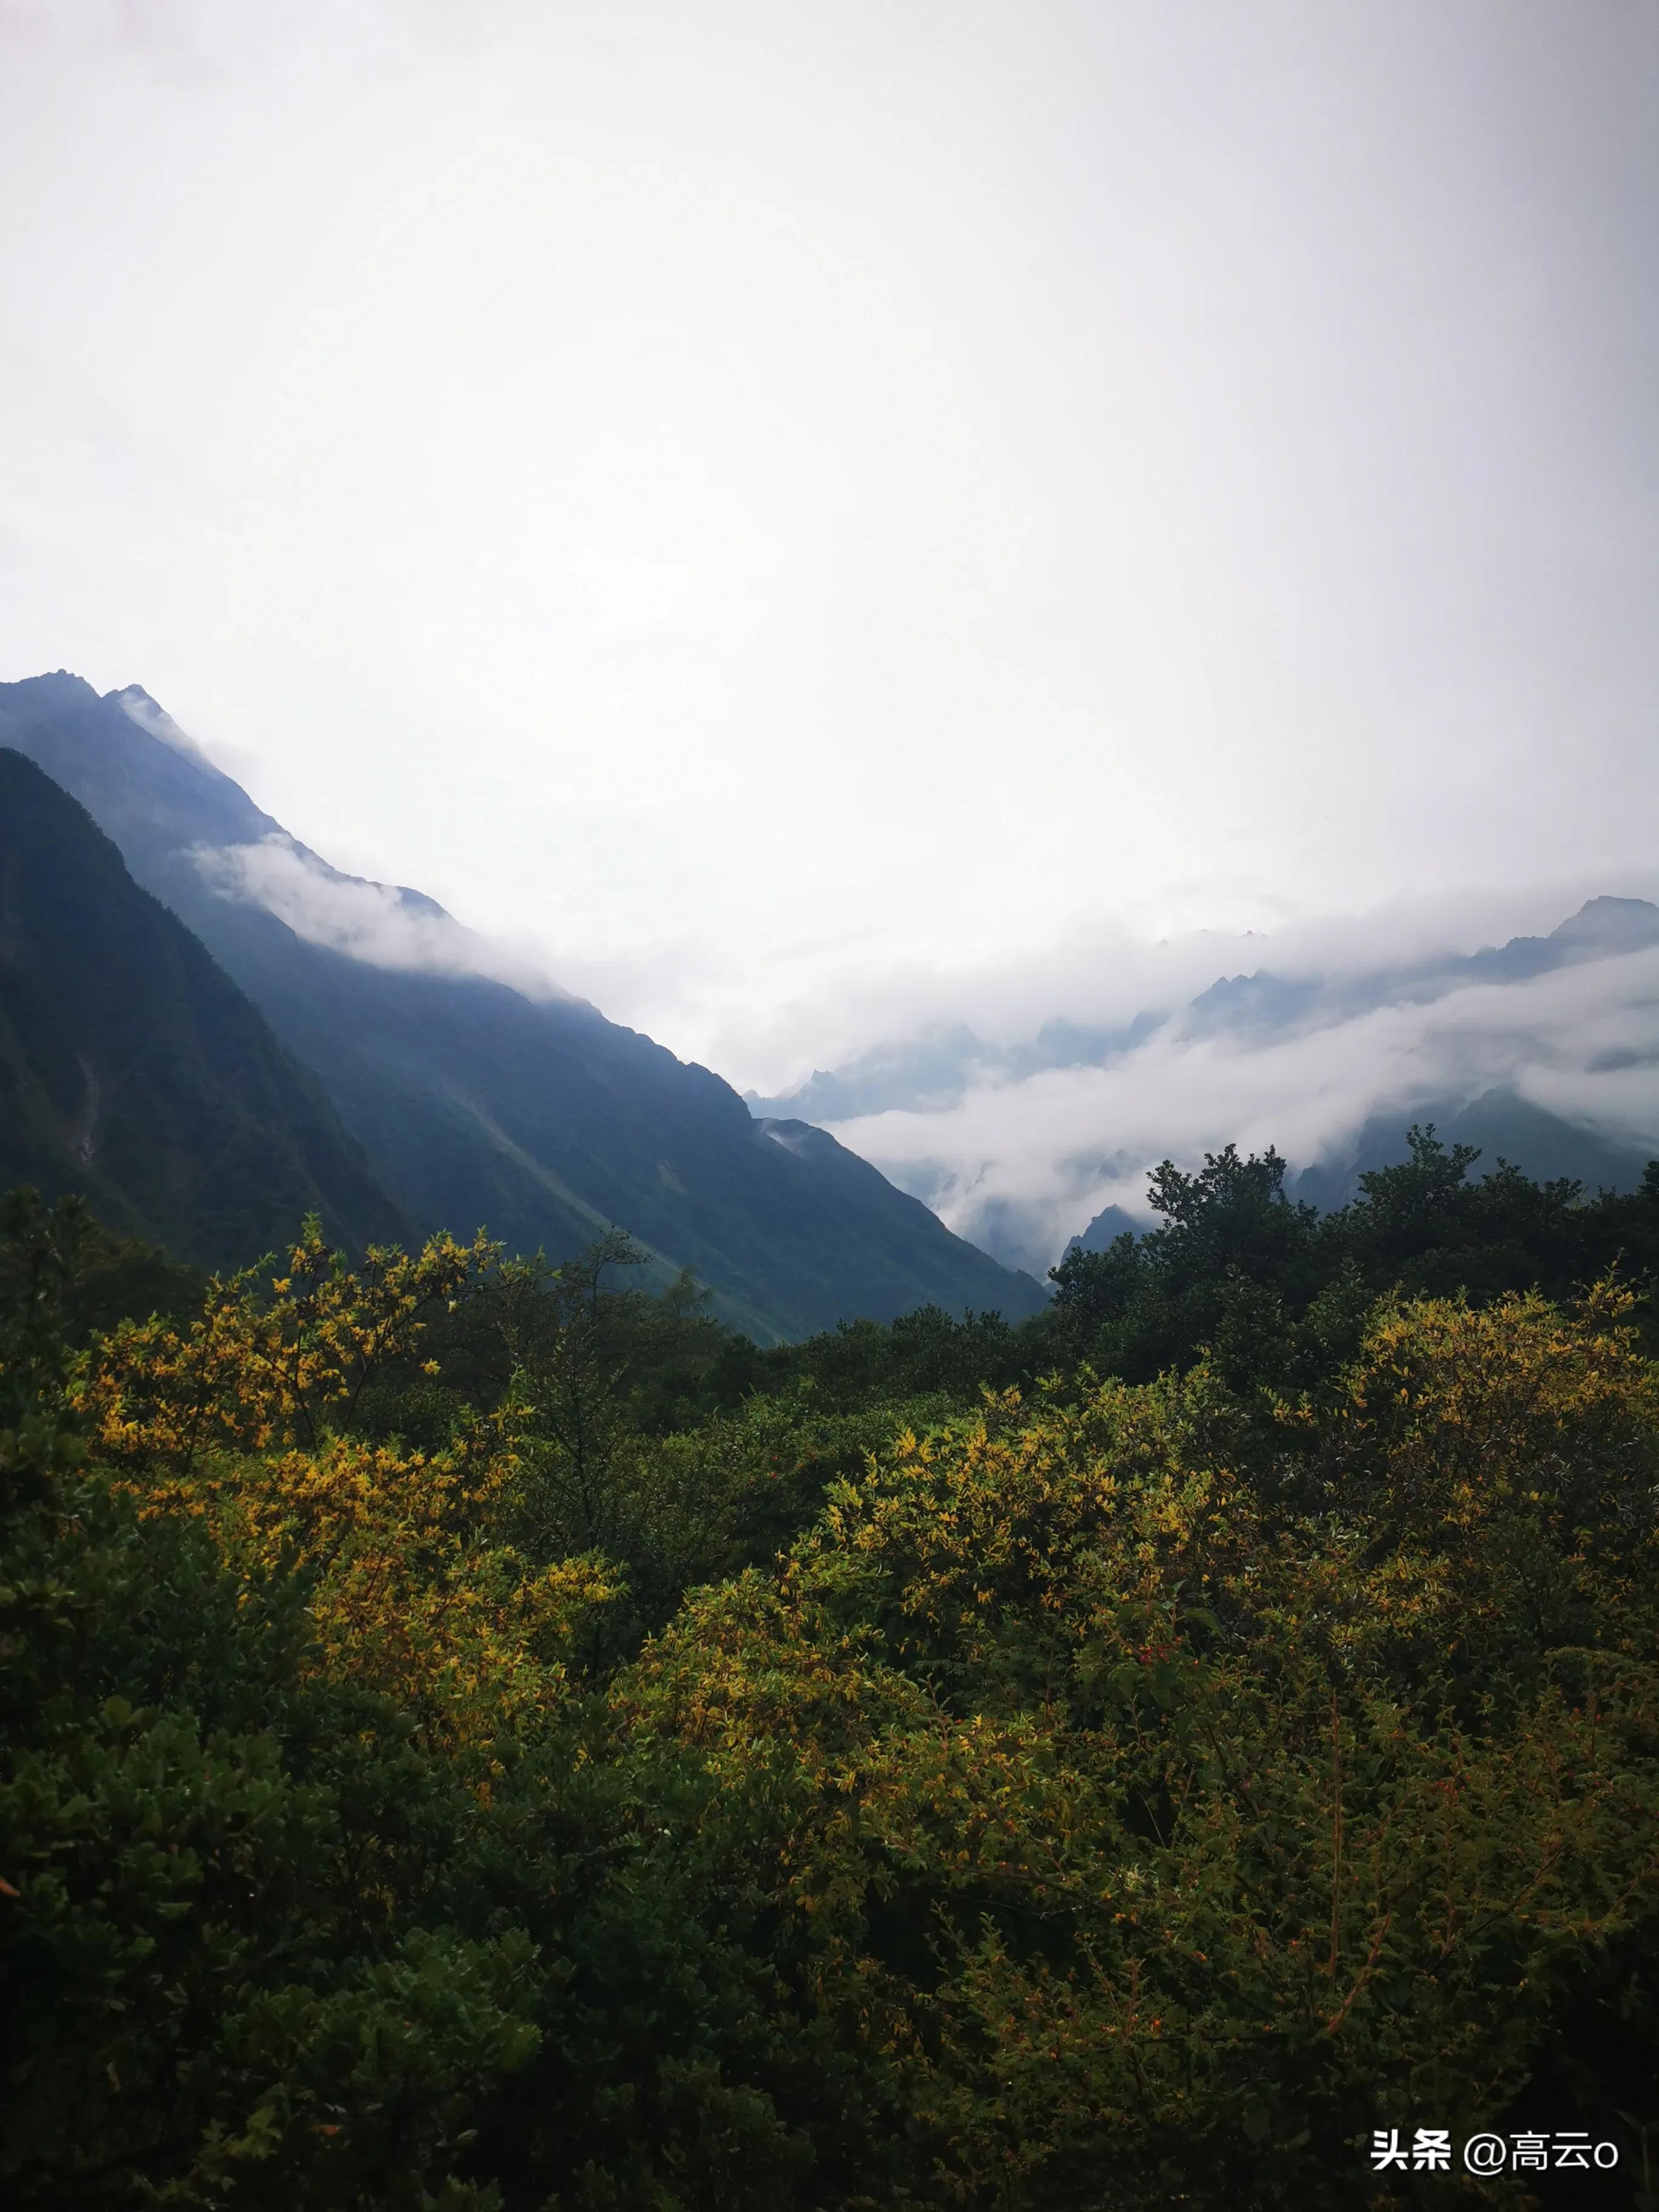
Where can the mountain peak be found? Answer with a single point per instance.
(1610, 925)
(479, 1101)
(56, 686)
(137, 704)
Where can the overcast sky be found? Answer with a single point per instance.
(777, 503)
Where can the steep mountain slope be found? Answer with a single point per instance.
(133, 1070)
(475, 1102)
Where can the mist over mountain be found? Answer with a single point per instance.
(935, 1068)
(1544, 1050)
(481, 1093)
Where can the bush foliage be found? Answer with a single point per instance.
(476, 1735)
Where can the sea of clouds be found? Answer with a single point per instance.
(1024, 1165)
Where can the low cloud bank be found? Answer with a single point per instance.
(1022, 1166)
(382, 924)
(811, 1006)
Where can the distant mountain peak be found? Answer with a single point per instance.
(1610, 925)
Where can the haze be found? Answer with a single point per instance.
(795, 511)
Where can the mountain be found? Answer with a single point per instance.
(1264, 1003)
(133, 1070)
(942, 1062)
(480, 1102)
(1108, 1225)
(1543, 1050)
(1500, 1125)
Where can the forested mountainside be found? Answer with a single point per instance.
(478, 1104)
(134, 1071)
(489, 1740)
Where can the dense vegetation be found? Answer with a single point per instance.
(476, 1736)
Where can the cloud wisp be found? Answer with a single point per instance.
(383, 924)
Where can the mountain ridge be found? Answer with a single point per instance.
(1542, 1050)
(477, 1104)
(930, 1069)
(135, 1072)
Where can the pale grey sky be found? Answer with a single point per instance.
(785, 506)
